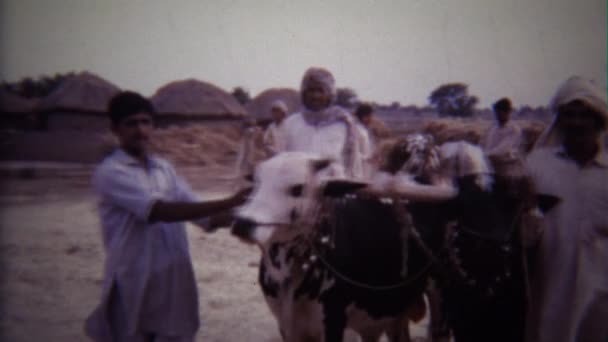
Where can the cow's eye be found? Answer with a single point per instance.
(296, 190)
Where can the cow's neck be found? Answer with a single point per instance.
(292, 260)
(287, 253)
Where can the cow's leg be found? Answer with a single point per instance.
(301, 335)
(334, 322)
(334, 328)
(399, 331)
(370, 337)
(439, 330)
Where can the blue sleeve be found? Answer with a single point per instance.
(121, 188)
(184, 193)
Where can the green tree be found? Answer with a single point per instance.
(453, 99)
(36, 88)
(241, 95)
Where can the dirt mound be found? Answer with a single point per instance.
(192, 97)
(84, 91)
(259, 107)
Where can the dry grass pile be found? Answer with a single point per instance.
(532, 131)
(194, 145)
(473, 131)
(445, 130)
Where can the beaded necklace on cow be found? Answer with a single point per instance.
(412, 232)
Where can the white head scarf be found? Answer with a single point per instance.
(332, 114)
(575, 88)
(321, 76)
(326, 80)
(279, 104)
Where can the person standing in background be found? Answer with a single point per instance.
(274, 137)
(364, 114)
(503, 140)
(323, 127)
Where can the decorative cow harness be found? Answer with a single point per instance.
(316, 242)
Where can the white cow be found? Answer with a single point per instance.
(331, 259)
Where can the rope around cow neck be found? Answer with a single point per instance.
(366, 286)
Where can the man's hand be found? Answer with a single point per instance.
(223, 219)
(532, 228)
(240, 196)
(184, 211)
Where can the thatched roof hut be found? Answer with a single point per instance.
(83, 92)
(196, 98)
(11, 103)
(16, 112)
(79, 103)
(259, 106)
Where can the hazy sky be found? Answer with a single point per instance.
(386, 50)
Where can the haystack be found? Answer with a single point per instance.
(473, 131)
(445, 130)
(194, 145)
(194, 97)
(84, 92)
(259, 107)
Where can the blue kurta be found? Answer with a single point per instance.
(147, 263)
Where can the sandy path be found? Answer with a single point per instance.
(52, 258)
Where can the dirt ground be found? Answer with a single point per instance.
(51, 258)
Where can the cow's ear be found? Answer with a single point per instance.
(341, 187)
(547, 202)
(319, 164)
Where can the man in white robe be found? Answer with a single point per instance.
(503, 141)
(569, 300)
(364, 114)
(274, 136)
(324, 128)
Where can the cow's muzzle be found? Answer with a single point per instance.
(243, 228)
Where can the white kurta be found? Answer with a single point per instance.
(503, 141)
(365, 148)
(274, 138)
(327, 140)
(147, 263)
(570, 288)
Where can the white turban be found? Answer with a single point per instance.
(575, 88)
(321, 76)
(279, 104)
